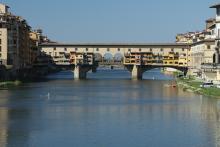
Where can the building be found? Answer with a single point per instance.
(204, 50)
(131, 53)
(204, 54)
(201, 53)
(14, 40)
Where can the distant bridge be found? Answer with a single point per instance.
(137, 58)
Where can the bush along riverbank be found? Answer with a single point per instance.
(193, 85)
(8, 84)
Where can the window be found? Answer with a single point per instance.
(97, 49)
(218, 11)
(65, 49)
(54, 48)
(151, 50)
(0, 41)
(0, 48)
(119, 49)
(108, 49)
(0, 55)
(208, 47)
(172, 50)
(183, 49)
(212, 32)
(129, 49)
(140, 49)
(76, 49)
(87, 49)
(161, 50)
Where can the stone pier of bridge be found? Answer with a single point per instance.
(136, 68)
(136, 71)
(80, 71)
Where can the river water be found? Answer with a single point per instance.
(107, 110)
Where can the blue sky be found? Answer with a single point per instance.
(107, 21)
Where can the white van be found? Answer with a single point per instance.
(206, 85)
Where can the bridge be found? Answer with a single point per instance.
(137, 58)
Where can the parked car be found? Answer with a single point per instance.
(206, 85)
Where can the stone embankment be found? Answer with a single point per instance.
(9, 77)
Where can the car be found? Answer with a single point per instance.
(206, 85)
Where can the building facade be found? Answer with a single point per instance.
(16, 46)
(201, 53)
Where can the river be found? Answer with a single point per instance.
(107, 110)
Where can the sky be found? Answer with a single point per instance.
(113, 21)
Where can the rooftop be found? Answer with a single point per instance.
(4, 5)
(210, 20)
(215, 5)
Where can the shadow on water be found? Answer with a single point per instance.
(118, 74)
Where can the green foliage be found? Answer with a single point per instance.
(191, 84)
(8, 84)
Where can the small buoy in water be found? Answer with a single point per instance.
(48, 96)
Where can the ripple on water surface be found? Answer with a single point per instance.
(107, 110)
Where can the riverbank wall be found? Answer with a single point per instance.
(26, 74)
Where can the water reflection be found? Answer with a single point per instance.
(3, 127)
(210, 112)
(107, 112)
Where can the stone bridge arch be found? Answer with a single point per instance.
(138, 70)
(98, 57)
(179, 68)
(108, 57)
(118, 57)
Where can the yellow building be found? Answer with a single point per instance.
(172, 59)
